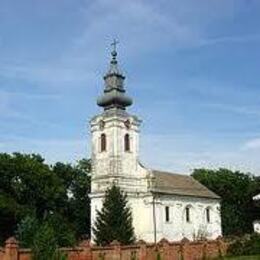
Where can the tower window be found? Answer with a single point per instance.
(187, 214)
(127, 143)
(103, 143)
(208, 215)
(167, 214)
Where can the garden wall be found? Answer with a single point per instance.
(184, 250)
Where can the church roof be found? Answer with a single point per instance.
(184, 185)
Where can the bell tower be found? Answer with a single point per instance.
(115, 135)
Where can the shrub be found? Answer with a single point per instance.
(246, 245)
(26, 231)
(44, 237)
(44, 243)
(158, 256)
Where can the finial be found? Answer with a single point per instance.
(114, 53)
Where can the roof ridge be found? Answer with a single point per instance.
(172, 173)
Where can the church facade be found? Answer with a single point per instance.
(164, 205)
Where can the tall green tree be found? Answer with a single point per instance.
(236, 190)
(76, 180)
(31, 187)
(27, 185)
(114, 221)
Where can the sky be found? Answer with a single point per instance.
(192, 68)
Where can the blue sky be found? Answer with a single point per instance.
(192, 68)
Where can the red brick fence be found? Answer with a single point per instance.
(184, 250)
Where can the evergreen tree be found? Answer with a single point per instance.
(114, 221)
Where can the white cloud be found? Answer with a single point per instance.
(141, 26)
(54, 75)
(183, 153)
(26, 95)
(149, 25)
(9, 109)
(252, 144)
(6, 110)
(179, 153)
(235, 108)
(230, 39)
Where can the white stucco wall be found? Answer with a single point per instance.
(257, 197)
(256, 225)
(177, 227)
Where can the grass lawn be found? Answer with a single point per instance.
(252, 257)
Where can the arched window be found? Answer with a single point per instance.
(167, 214)
(127, 143)
(187, 214)
(103, 143)
(208, 215)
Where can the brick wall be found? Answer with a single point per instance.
(185, 250)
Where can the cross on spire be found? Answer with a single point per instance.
(113, 52)
(113, 44)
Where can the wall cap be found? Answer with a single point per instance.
(11, 241)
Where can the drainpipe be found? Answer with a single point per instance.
(154, 219)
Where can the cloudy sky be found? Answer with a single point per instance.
(192, 67)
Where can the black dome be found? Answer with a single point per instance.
(114, 92)
(114, 98)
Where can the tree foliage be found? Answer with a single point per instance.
(30, 187)
(236, 190)
(44, 237)
(114, 221)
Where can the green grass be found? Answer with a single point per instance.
(251, 257)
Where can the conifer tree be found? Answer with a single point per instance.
(114, 220)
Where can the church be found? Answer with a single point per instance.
(164, 204)
(256, 223)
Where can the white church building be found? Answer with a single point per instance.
(256, 223)
(164, 204)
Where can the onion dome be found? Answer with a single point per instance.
(114, 93)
